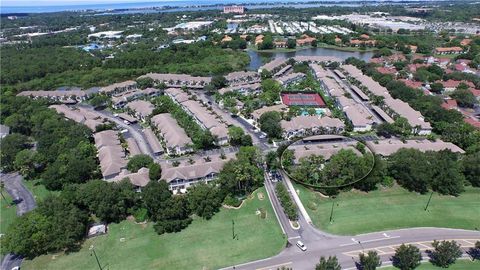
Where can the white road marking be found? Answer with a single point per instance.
(368, 241)
(295, 237)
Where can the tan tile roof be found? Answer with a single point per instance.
(278, 108)
(142, 107)
(172, 133)
(306, 122)
(390, 146)
(153, 140)
(139, 179)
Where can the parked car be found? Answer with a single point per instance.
(301, 246)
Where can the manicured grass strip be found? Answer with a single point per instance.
(459, 265)
(203, 245)
(38, 190)
(393, 208)
(8, 212)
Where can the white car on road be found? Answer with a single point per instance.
(301, 246)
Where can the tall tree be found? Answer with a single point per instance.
(11, 145)
(204, 200)
(328, 264)
(270, 124)
(138, 161)
(407, 257)
(445, 253)
(471, 168)
(370, 261)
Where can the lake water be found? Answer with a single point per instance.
(257, 59)
(180, 5)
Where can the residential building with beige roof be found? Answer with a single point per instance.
(138, 179)
(244, 89)
(394, 107)
(242, 77)
(177, 95)
(388, 147)
(207, 120)
(290, 78)
(176, 140)
(79, 115)
(110, 153)
(300, 126)
(68, 96)
(153, 141)
(179, 80)
(277, 108)
(118, 87)
(133, 148)
(186, 174)
(140, 109)
(326, 150)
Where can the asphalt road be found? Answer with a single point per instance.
(347, 248)
(247, 127)
(25, 203)
(134, 130)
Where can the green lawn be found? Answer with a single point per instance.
(8, 212)
(459, 265)
(203, 245)
(393, 208)
(38, 190)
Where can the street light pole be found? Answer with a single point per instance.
(331, 212)
(363, 250)
(233, 229)
(96, 258)
(428, 203)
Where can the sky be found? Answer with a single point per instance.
(68, 2)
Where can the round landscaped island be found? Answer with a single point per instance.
(327, 161)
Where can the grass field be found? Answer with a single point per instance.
(8, 212)
(38, 190)
(203, 245)
(393, 208)
(459, 265)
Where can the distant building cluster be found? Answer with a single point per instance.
(233, 9)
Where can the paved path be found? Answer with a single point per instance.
(346, 248)
(14, 186)
(134, 130)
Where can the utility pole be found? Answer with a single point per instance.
(429, 199)
(363, 250)
(233, 229)
(331, 212)
(96, 258)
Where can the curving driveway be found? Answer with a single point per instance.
(25, 203)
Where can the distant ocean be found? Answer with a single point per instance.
(179, 3)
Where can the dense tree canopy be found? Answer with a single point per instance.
(407, 257)
(204, 200)
(331, 263)
(139, 161)
(64, 153)
(55, 225)
(445, 253)
(242, 175)
(270, 124)
(417, 171)
(202, 139)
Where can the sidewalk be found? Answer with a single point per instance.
(297, 199)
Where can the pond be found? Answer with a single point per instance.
(257, 59)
